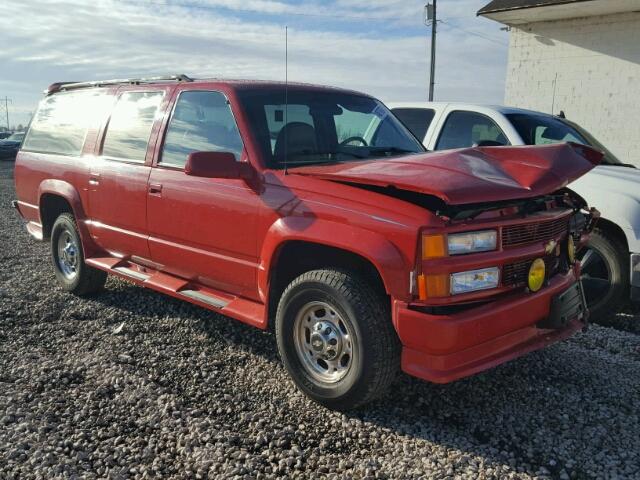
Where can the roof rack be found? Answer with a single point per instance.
(64, 86)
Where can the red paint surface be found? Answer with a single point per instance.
(224, 235)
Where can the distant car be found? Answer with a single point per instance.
(4, 135)
(9, 146)
(611, 264)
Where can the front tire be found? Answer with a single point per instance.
(67, 255)
(336, 339)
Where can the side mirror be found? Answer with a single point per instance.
(216, 165)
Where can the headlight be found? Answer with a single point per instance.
(470, 242)
(473, 280)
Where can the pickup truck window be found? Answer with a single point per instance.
(417, 120)
(201, 122)
(323, 127)
(130, 126)
(463, 129)
(61, 122)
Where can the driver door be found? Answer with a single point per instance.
(203, 229)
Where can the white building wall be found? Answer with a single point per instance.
(593, 65)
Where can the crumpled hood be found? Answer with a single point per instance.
(472, 175)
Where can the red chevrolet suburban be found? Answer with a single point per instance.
(314, 211)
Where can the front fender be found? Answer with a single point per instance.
(382, 254)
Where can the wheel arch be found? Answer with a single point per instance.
(293, 246)
(612, 228)
(56, 197)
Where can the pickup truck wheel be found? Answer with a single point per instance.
(605, 275)
(336, 339)
(68, 259)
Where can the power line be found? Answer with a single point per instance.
(472, 32)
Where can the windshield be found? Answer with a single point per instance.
(16, 137)
(609, 158)
(545, 129)
(323, 127)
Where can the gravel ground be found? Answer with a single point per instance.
(181, 392)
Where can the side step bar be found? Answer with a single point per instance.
(243, 309)
(203, 297)
(132, 273)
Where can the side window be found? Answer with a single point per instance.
(61, 122)
(417, 120)
(201, 122)
(465, 129)
(130, 125)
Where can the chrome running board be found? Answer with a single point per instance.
(203, 297)
(132, 273)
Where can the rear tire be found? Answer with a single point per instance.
(605, 275)
(336, 338)
(67, 255)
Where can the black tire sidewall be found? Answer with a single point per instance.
(65, 223)
(613, 255)
(297, 298)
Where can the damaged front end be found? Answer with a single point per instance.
(494, 250)
(496, 272)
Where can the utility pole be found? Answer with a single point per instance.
(430, 18)
(6, 109)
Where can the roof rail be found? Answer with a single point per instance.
(65, 86)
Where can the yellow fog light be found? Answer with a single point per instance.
(536, 275)
(571, 249)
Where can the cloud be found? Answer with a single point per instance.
(78, 40)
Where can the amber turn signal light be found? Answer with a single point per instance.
(430, 286)
(571, 250)
(433, 246)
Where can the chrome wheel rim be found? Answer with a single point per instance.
(595, 276)
(68, 253)
(323, 342)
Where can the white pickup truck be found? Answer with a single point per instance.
(611, 264)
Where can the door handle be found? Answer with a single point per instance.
(94, 178)
(155, 188)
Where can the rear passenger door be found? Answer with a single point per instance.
(203, 229)
(464, 129)
(119, 174)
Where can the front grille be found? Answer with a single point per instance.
(516, 235)
(515, 274)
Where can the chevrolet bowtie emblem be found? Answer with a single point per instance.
(550, 246)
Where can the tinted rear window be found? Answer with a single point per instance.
(62, 120)
(130, 125)
(417, 120)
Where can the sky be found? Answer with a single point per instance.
(377, 46)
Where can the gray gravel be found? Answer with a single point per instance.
(133, 384)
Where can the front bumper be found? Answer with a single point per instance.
(444, 348)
